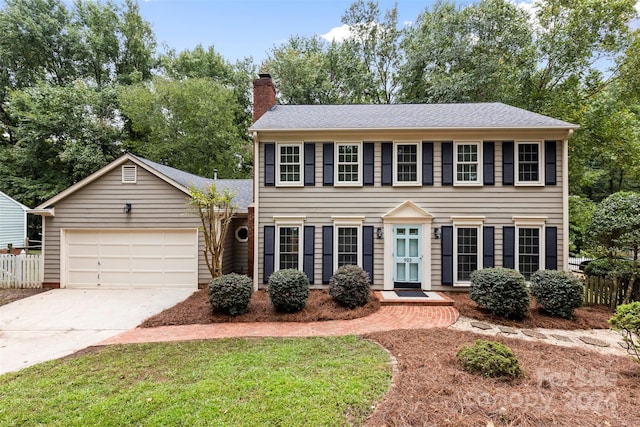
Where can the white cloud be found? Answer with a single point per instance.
(338, 33)
(638, 6)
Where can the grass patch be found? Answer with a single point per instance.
(298, 381)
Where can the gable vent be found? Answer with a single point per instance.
(129, 174)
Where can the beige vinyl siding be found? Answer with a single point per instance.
(497, 203)
(99, 205)
(240, 249)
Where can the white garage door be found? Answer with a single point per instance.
(130, 258)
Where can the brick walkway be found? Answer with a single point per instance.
(386, 319)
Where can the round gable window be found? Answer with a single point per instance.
(242, 233)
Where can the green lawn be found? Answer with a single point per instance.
(234, 382)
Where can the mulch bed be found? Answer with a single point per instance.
(562, 386)
(594, 317)
(197, 310)
(11, 295)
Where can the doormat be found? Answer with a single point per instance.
(411, 294)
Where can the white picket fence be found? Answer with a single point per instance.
(21, 271)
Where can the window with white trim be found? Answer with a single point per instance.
(349, 164)
(407, 163)
(289, 243)
(467, 247)
(467, 163)
(347, 241)
(528, 163)
(289, 165)
(529, 245)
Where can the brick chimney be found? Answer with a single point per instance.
(264, 95)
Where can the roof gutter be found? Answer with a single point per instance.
(414, 129)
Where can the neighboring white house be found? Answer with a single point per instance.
(13, 222)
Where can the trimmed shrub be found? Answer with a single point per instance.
(602, 267)
(230, 294)
(627, 322)
(350, 286)
(288, 290)
(558, 292)
(490, 359)
(502, 291)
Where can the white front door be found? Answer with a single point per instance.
(407, 256)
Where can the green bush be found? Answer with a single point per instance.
(502, 291)
(350, 286)
(558, 292)
(490, 359)
(230, 294)
(602, 267)
(627, 322)
(288, 290)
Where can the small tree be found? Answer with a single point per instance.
(616, 227)
(215, 210)
(627, 322)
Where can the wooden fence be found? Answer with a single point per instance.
(601, 291)
(21, 271)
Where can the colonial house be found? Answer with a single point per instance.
(418, 195)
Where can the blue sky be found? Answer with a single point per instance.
(242, 28)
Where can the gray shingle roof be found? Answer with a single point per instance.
(403, 116)
(242, 189)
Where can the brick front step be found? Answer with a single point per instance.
(433, 299)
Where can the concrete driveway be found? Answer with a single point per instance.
(59, 322)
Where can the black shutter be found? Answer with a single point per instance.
(507, 163)
(309, 163)
(488, 247)
(509, 247)
(387, 163)
(447, 255)
(269, 251)
(269, 164)
(367, 250)
(447, 163)
(427, 163)
(550, 162)
(551, 248)
(327, 253)
(488, 163)
(327, 163)
(309, 243)
(367, 163)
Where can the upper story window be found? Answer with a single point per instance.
(407, 163)
(528, 163)
(349, 164)
(289, 165)
(467, 163)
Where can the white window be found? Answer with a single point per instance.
(528, 159)
(467, 247)
(129, 174)
(529, 245)
(349, 163)
(407, 164)
(289, 242)
(468, 163)
(347, 242)
(289, 164)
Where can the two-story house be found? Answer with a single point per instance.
(418, 195)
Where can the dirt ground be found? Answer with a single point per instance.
(197, 310)
(11, 295)
(562, 386)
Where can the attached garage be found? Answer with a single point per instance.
(132, 258)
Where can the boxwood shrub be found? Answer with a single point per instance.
(490, 359)
(288, 290)
(502, 291)
(558, 292)
(230, 294)
(602, 267)
(350, 286)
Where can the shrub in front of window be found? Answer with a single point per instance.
(230, 294)
(288, 290)
(627, 322)
(502, 291)
(350, 286)
(558, 292)
(490, 359)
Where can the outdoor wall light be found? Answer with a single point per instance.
(379, 232)
(436, 233)
(127, 208)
